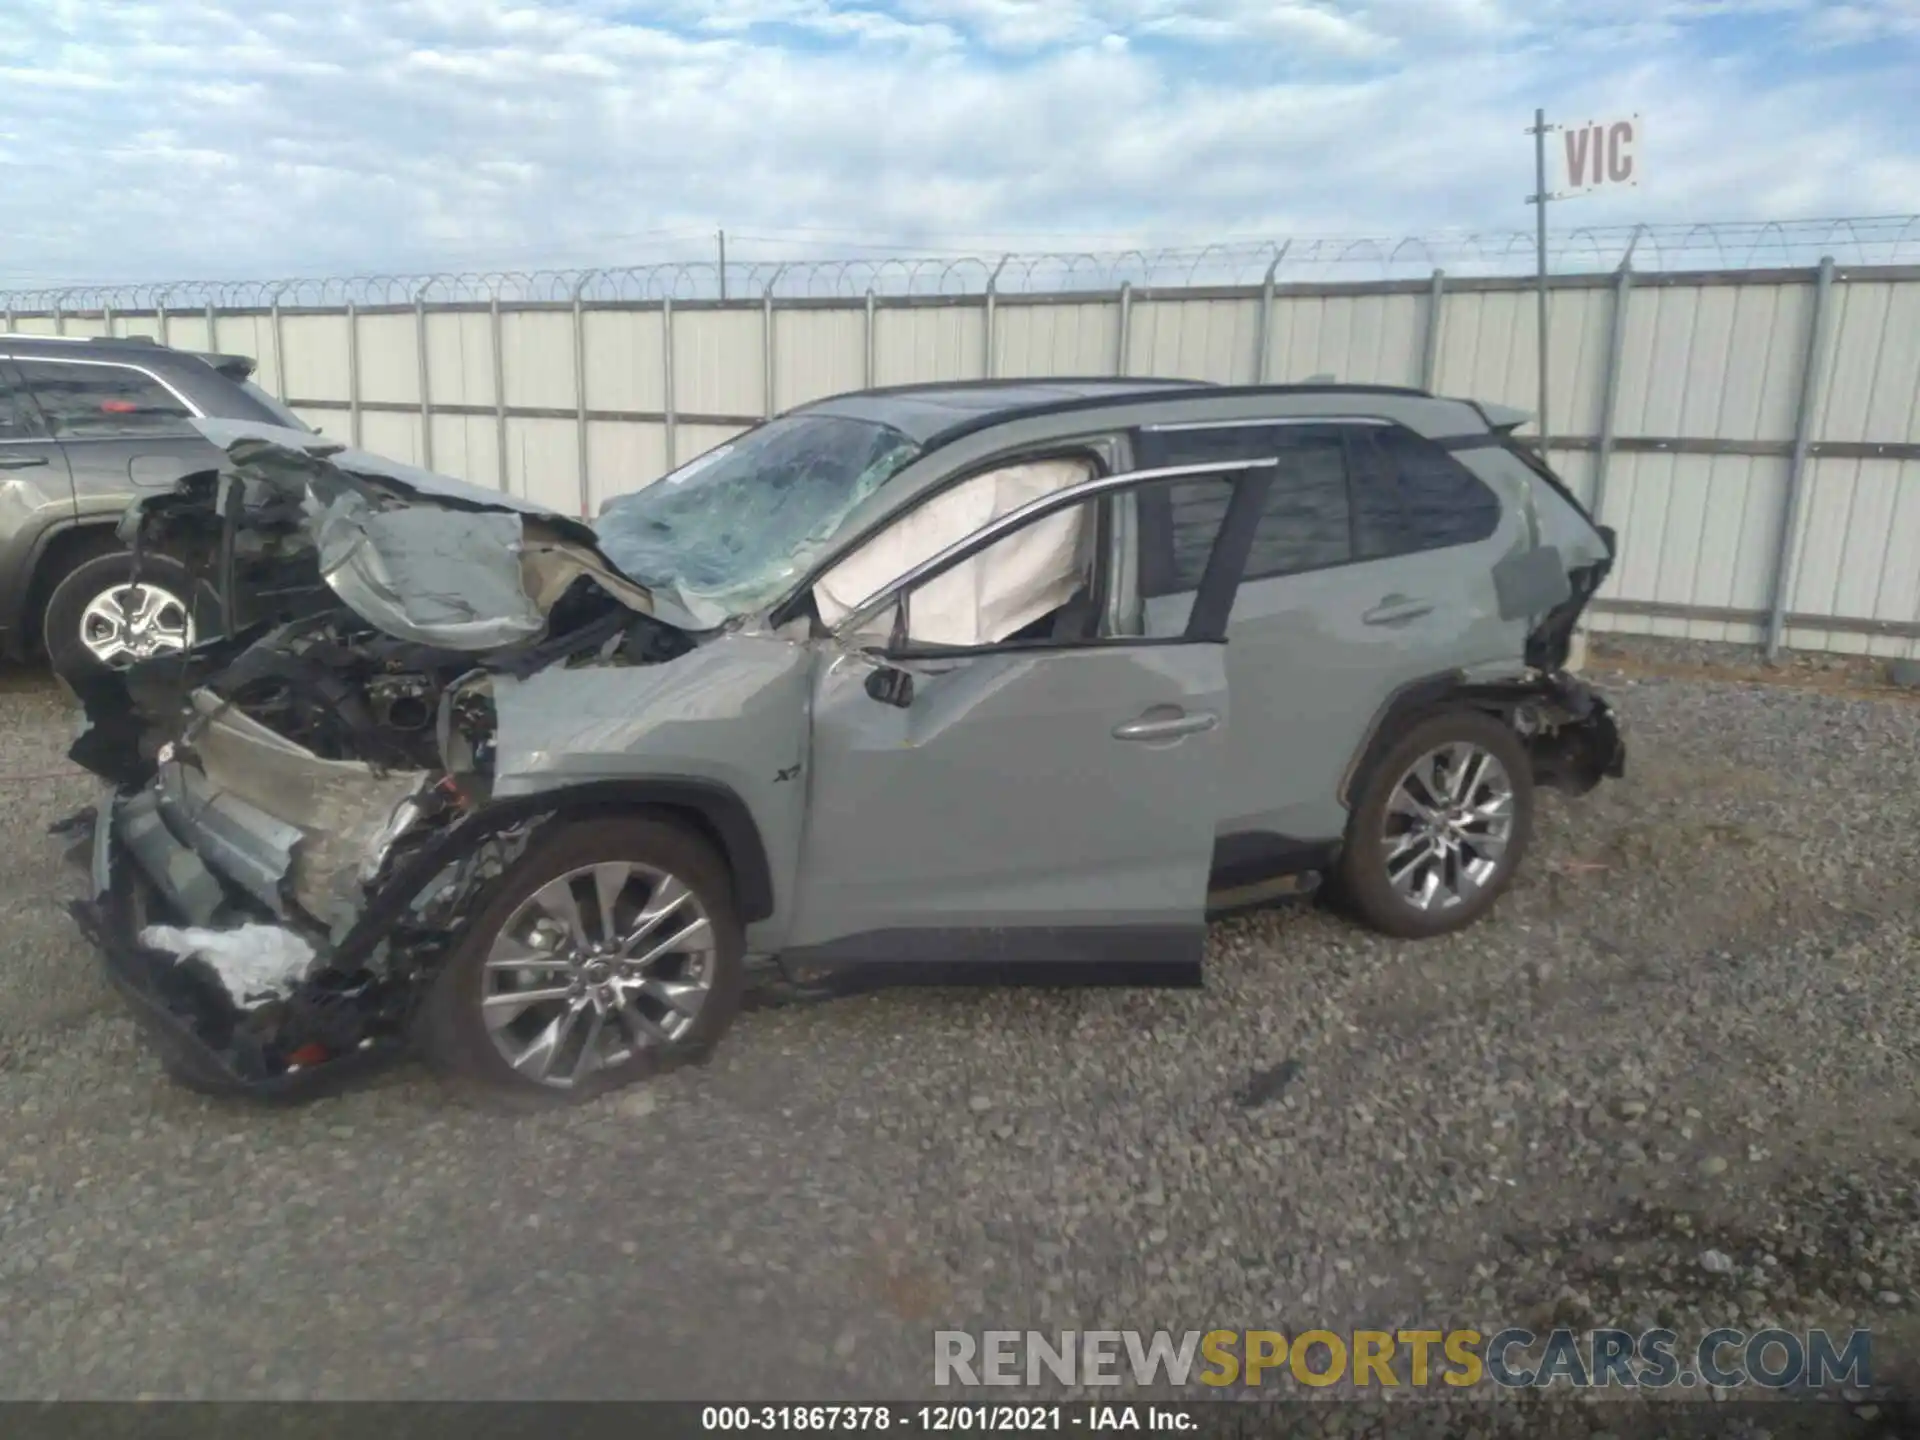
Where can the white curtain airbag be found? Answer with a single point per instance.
(990, 596)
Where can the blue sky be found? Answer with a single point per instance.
(203, 138)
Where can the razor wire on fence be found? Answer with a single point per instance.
(1745, 245)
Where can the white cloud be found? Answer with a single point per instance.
(1865, 23)
(1318, 29)
(216, 137)
(1014, 24)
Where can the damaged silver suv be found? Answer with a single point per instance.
(1013, 682)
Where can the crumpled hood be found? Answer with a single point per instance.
(421, 556)
(411, 479)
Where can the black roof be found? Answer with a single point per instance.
(143, 348)
(924, 411)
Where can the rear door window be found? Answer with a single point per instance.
(1306, 523)
(1342, 493)
(1179, 523)
(85, 400)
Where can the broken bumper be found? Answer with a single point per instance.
(1586, 745)
(313, 1041)
(140, 975)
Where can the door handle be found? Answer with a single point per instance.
(21, 462)
(1152, 726)
(1397, 610)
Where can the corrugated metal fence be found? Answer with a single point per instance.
(1754, 435)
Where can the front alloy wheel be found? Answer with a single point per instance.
(610, 948)
(595, 965)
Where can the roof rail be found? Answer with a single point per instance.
(988, 419)
(146, 340)
(1025, 382)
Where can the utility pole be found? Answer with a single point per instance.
(1539, 200)
(723, 264)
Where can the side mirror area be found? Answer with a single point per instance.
(891, 687)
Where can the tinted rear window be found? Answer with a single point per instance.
(281, 414)
(1413, 495)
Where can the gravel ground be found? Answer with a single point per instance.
(1688, 1030)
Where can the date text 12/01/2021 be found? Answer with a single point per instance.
(951, 1419)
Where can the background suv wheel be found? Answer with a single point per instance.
(100, 616)
(1439, 827)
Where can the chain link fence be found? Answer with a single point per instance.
(1882, 240)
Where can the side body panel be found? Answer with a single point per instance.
(1313, 658)
(115, 458)
(110, 473)
(732, 712)
(1000, 808)
(36, 496)
(1562, 524)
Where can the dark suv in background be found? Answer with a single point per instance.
(86, 427)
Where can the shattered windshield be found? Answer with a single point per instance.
(731, 531)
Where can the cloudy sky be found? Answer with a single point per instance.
(143, 139)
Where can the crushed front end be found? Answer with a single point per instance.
(298, 816)
(198, 904)
(225, 888)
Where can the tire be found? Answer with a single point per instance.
(82, 604)
(1444, 883)
(605, 1003)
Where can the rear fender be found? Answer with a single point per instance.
(1569, 729)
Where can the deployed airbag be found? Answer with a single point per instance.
(989, 596)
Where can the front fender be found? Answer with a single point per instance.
(729, 717)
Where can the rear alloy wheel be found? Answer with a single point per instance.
(104, 616)
(1440, 826)
(605, 952)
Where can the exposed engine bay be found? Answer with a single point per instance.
(301, 799)
(346, 692)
